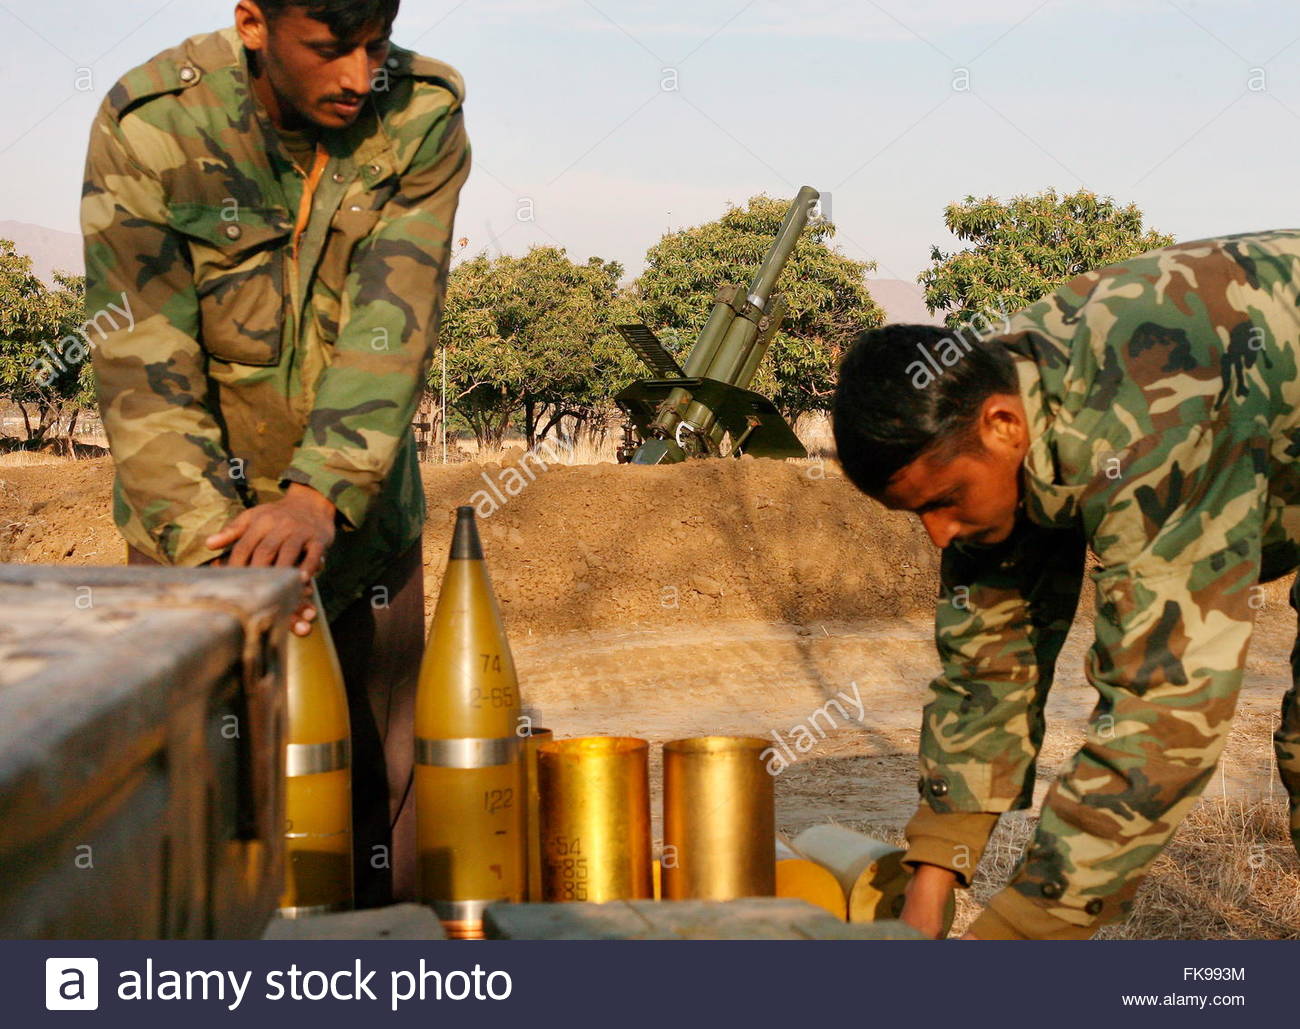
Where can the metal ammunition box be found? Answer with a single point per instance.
(141, 751)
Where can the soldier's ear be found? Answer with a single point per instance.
(1003, 424)
(251, 24)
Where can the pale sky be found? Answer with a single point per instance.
(896, 108)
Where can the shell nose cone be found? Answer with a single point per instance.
(465, 544)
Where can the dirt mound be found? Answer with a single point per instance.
(58, 511)
(595, 546)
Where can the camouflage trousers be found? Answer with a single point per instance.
(1286, 741)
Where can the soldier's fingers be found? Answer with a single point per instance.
(248, 542)
(305, 615)
(273, 544)
(314, 560)
(228, 535)
(290, 551)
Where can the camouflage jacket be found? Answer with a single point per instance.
(1164, 408)
(272, 340)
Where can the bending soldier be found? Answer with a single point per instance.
(1150, 411)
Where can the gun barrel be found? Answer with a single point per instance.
(733, 355)
(712, 335)
(706, 346)
(796, 220)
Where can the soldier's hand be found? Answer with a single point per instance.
(927, 899)
(293, 532)
(306, 613)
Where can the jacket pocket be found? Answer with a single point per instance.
(239, 279)
(348, 229)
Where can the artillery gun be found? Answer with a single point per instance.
(689, 412)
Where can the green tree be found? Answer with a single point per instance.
(824, 290)
(44, 366)
(1023, 249)
(532, 334)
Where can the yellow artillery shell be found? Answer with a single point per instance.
(469, 785)
(870, 871)
(799, 877)
(318, 786)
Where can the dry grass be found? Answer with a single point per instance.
(29, 459)
(1229, 874)
(582, 452)
(550, 451)
(814, 431)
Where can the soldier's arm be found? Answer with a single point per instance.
(1179, 540)
(393, 300)
(150, 370)
(1003, 614)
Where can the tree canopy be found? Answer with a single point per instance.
(1022, 249)
(44, 360)
(535, 333)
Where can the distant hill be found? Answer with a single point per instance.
(49, 249)
(903, 301)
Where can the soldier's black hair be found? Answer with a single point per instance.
(345, 18)
(883, 420)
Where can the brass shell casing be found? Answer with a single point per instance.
(318, 784)
(469, 785)
(870, 871)
(800, 878)
(595, 819)
(533, 810)
(719, 819)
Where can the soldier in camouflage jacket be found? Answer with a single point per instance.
(1149, 411)
(274, 205)
(275, 342)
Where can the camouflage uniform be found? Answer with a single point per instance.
(275, 341)
(1164, 410)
